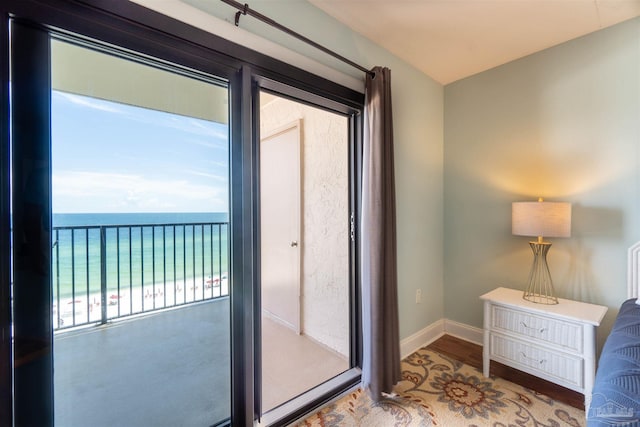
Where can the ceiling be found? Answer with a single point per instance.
(452, 39)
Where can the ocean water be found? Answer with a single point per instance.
(79, 219)
(151, 250)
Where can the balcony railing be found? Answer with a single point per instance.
(105, 272)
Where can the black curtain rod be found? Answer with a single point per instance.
(244, 9)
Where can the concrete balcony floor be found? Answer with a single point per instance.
(172, 368)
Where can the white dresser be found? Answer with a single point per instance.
(554, 342)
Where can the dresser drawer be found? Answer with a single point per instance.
(556, 332)
(557, 367)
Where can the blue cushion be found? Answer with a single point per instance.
(616, 393)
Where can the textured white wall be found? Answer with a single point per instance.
(563, 124)
(325, 222)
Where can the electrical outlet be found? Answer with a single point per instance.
(418, 296)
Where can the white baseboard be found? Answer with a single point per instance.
(462, 331)
(437, 329)
(280, 321)
(421, 338)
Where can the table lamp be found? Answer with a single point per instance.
(540, 219)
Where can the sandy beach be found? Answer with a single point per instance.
(83, 309)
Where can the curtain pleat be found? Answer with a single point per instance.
(381, 337)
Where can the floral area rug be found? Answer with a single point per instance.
(438, 391)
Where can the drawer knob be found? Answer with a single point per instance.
(532, 358)
(541, 330)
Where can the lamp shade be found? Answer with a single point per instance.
(542, 219)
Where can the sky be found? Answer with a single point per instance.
(113, 158)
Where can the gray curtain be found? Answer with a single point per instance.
(381, 337)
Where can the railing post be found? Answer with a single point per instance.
(103, 274)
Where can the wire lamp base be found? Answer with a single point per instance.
(540, 286)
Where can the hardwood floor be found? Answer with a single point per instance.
(471, 354)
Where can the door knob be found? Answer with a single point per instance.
(294, 244)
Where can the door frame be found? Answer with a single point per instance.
(6, 345)
(31, 182)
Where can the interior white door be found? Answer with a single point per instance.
(280, 224)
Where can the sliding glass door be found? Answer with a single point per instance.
(140, 178)
(183, 225)
(304, 247)
(307, 305)
(135, 242)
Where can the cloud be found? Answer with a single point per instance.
(220, 178)
(157, 118)
(203, 127)
(218, 164)
(82, 191)
(93, 103)
(216, 134)
(220, 145)
(184, 124)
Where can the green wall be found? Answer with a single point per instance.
(563, 124)
(418, 132)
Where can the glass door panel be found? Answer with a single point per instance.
(139, 241)
(304, 239)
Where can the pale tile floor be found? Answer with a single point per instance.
(293, 364)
